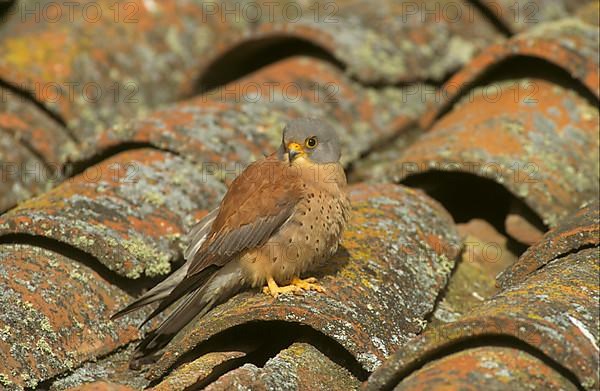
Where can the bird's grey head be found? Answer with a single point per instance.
(312, 138)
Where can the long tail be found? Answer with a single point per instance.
(159, 292)
(197, 236)
(197, 298)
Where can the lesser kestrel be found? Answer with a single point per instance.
(281, 218)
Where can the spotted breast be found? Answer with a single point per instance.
(310, 236)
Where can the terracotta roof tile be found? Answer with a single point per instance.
(569, 44)
(412, 299)
(523, 15)
(196, 371)
(486, 253)
(534, 145)
(367, 310)
(299, 367)
(95, 65)
(370, 41)
(579, 231)
(35, 128)
(554, 312)
(15, 160)
(54, 316)
(242, 120)
(489, 368)
(129, 211)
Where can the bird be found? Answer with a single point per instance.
(281, 218)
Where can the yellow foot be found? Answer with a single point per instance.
(308, 284)
(296, 286)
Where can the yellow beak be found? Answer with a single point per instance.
(294, 151)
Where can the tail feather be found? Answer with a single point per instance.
(197, 298)
(195, 303)
(197, 236)
(190, 284)
(159, 292)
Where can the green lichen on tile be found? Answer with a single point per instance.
(446, 265)
(82, 241)
(75, 274)
(151, 262)
(43, 346)
(155, 198)
(47, 327)
(112, 368)
(5, 380)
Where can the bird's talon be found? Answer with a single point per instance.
(296, 286)
(308, 284)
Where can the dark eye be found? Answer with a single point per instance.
(311, 142)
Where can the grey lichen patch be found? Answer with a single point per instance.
(373, 54)
(82, 241)
(155, 199)
(112, 368)
(60, 323)
(5, 380)
(151, 261)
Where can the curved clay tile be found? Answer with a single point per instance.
(523, 15)
(581, 230)
(487, 368)
(94, 65)
(22, 173)
(128, 211)
(54, 315)
(101, 65)
(242, 121)
(382, 284)
(553, 313)
(299, 367)
(388, 43)
(569, 44)
(193, 372)
(34, 149)
(537, 139)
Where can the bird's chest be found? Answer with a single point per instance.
(311, 235)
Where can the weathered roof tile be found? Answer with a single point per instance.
(299, 367)
(386, 43)
(129, 211)
(568, 44)
(94, 65)
(523, 15)
(54, 315)
(487, 368)
(243, 120)
(542, 148)
(33, 149)
(22, 173)
(380, 286)
(581, 230)
(554, 311)
(194, 372)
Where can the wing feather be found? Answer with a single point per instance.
(198, 234)
(256, 205)
(163, 289)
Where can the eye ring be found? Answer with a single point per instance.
(311, 142)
